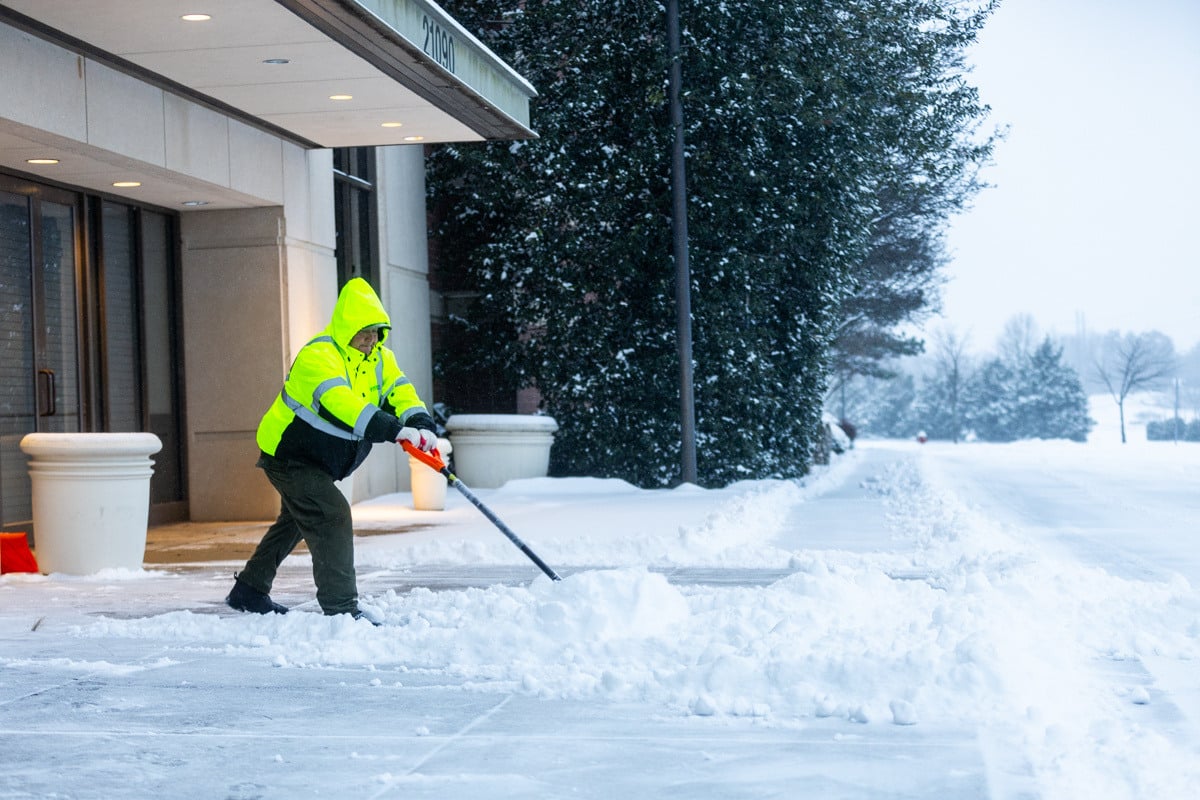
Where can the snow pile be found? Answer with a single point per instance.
(971, 629)
(828, 641)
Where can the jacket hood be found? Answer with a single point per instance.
(357, 307)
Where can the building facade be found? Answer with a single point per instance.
(184, 187)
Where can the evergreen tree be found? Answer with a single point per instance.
(992, 399)
(567, 237)
(1053, 403)
(940, 408)
(937, 408)
(796, 119)
(1028, 395)
(932, 172)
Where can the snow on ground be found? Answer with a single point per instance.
(974, 587)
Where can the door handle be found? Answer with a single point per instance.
(46, 376)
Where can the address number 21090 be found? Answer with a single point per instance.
(439, 44)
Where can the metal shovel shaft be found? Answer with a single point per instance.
(487, 512)
(433, 460)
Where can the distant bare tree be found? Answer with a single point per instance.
(1019, 339)
(1135, 361)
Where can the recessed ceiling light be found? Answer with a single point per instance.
(414, 138)
(127, 184)
(194, 203)
(341, 97)
(391, 125)
(277, 61)
(196, 17)
(41, 161)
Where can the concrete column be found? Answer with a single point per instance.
(235, 354)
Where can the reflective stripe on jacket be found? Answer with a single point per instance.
(336, 401)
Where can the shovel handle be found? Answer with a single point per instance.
(432, 459)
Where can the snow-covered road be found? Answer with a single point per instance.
(1134, 511)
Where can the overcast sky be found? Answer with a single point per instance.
(1094, 214)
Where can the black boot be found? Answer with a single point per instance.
(245, 597)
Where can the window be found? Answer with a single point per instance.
(355, 217)
(39, 341)
(140, 347)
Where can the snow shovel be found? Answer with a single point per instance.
(433, 460)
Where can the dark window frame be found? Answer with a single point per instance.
(356, 215)
(162, 510)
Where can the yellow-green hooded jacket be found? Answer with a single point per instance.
(336, 401)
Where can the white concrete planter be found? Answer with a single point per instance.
(428, 485)
(91, 499)
(492, 449)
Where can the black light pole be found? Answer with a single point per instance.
(683, 280)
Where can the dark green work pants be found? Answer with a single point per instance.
(315, 510)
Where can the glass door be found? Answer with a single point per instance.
(39, 341)
(140, 341)
(56, 316)
(18, 398)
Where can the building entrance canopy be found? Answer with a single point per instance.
(114, 87)
(281, 61)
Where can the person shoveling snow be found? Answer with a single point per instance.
(343, 394)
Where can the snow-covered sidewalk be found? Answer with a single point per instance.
(910, 622)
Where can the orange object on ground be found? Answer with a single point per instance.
(15, 555)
